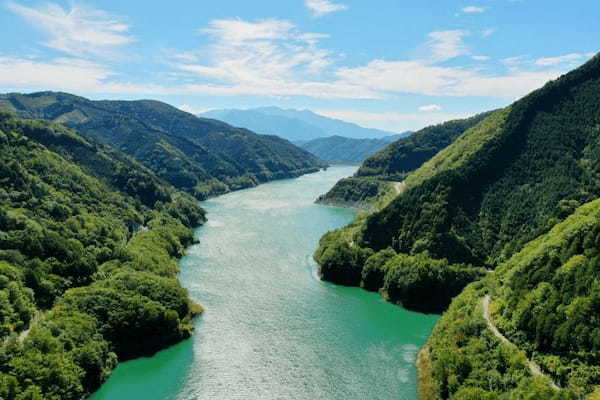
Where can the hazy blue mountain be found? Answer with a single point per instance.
(295, 125)
(339, 149)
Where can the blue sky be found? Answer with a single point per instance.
(390, 64)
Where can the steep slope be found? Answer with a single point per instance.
(338, 149)
(88, 241)
(506, 195)
(501, 184)
(203, 157)
(371, 184)
(545, 300)
(295, 125)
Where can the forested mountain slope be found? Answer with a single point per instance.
(200, 156)
(395, 161)
(88, 241)
(339, 149)
(546, 300)
(478, 203)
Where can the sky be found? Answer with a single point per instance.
(387, 64)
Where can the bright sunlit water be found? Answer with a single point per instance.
(271, 329)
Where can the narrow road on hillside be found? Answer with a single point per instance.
(533, 367)
(398, 186)
(34, 321)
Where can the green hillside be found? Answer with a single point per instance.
(394, 162)
(496, 196)
(339, 149)
(546, 301)
(88, 242)
(200, 156)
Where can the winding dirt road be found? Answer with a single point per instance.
(533, 367)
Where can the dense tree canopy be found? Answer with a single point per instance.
(394, 162)
(200, 156)
(88, 241)
(506, 195)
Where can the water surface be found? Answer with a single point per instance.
(271, 329)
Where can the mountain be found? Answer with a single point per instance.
(516, 194)
(338, 149)
(88, 242)
(294, 125)
(374, 181)
(200, 156)
(545, 301)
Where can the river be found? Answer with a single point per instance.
(271, 329)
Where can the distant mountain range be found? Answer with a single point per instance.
(294, 125)
(339, 149)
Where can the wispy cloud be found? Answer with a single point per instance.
(393, 121)
(275, 58)
(79, 30)
(430, 108)
(564, 59)
(193, 110)
(445, 45)
(269, 57)
(488, 32)
(320, 8)
(473, 10)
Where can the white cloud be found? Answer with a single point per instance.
(320, 8)
(480, 58)
(445, 45)
(473, 10)
(418, 77)
(239, 31)
(193, 110)
(393, 121)
(273, 58)
(78, 31)
(488, 32)
(63, 73)
(69, 74)
(269, 57)
(430, 108)
(567, 58)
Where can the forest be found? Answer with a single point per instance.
(202, 157)
(394, 162)
(88, 248)
(509, 205)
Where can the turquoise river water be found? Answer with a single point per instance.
(271, 329)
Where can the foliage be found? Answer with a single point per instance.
(88, 241)
(505, 195)
(408, 154)
(356, 192)
(339, 149)
(200, 156)
(395, 161)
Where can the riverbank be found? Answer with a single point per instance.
(272, 330)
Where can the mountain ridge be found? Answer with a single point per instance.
(201, 156)
(293, 124)
(516, 193)
(340, 149)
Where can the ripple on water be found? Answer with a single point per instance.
(271, 329)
